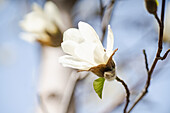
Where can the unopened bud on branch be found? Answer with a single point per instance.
(151, 6)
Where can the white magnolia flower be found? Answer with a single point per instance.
(85, 50)
(40, 21)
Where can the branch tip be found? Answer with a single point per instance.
(146, 60)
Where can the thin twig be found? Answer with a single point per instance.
(158, 20)
(159, 50)
(111, 3)
(127, 92)
(101, 16)
(146, 60)
(103, 9)
(165, 55)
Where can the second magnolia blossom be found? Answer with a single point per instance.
(42, 24)
(86, 52)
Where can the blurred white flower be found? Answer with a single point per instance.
(86, 51)
(166, 37)
(39, 23)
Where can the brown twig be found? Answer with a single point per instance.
(158, 20)
(103, 9)
(127, 92)
(159, 50)
(165, 55)
(101, 16)
(146, 60)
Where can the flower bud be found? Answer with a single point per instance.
(151, 6)
(110, 75)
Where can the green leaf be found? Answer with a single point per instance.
(98, 86)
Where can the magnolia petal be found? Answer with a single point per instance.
(34, 22)
(85, 51)
(53, 13)
(72, 62)
(37, 8)
(29, 37)
(43, 37)
(106, 57)
(37, 21)
(88, 33)
(110, 41)
(73, 34)
(69, 47)
(51, 10)
(99, 55)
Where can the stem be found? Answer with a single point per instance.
(127, 93)
(165, 55)
(146, 61)
(102, 10)
(158, 20)
(101, 16)
(159, 50)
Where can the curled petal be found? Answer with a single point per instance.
(72, 62)
(29, 37)
(38, 22)
(51, 10)
(37, 8)
(73, 34)
(34, 22)
(99, 55)
(69, 47)
(88, 33)
(85, 52)
(53, 13)
(110, 41)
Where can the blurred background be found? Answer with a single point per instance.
(23, 71)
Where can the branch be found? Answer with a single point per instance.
(127, 92)
(42, 104)
(158, 20)
(102, 10)
(159, 50)
(165, 55)
(101, 16)
(68, 92)
(146, 60)
(161, 29)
